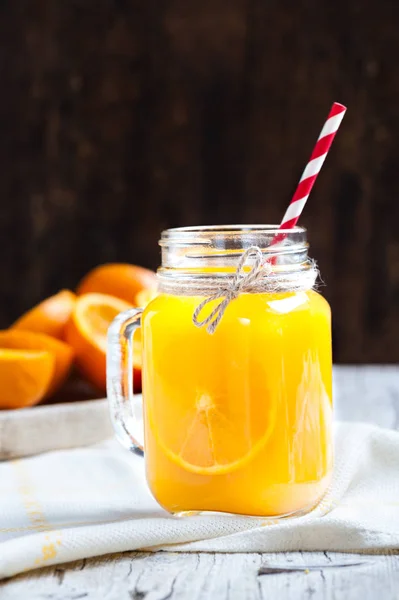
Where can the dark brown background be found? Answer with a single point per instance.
(121, 118)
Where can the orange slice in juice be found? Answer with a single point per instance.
(215, 436)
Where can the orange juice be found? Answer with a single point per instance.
(238, 421)
(237, 372)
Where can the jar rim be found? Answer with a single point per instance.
(201, 231)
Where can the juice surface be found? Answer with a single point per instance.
(239, 421)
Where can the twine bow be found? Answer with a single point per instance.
(242, 281)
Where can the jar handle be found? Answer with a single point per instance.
(120, 377)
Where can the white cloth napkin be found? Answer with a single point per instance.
(73, 504)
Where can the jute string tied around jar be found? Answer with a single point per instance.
(260, 278)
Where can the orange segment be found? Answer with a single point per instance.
(212, 439)
(50, 316)
(122, 280)
(25, 377)
(87, 330)
(29, 340)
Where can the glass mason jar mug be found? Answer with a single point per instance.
(237, 374)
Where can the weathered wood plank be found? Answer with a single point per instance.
(177, 576)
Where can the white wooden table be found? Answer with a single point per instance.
(369, 394)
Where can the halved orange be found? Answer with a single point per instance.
(50, 316)
(87, 331)
(122, 280)
(212, 438)
(28, 340)
(25, 377)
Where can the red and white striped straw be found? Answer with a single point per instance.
(313, 167)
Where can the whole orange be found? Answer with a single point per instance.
(122, 280)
